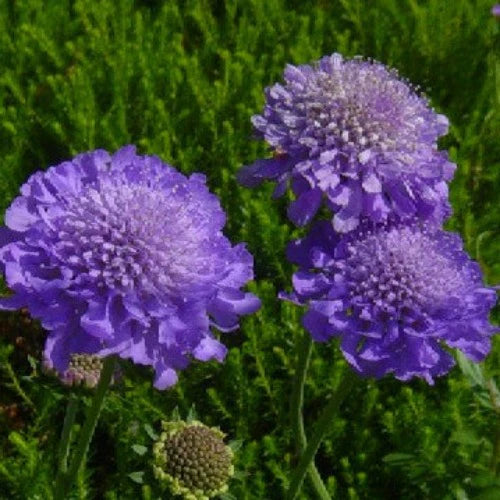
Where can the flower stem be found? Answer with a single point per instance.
(495, 403)
(87, 431)
(321, 428)
(297, 400)
(496, 451)
(69, 420)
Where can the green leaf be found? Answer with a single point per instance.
(398, 457)
(140, 449)
(150, 432)
(235, 444)
(192, 414)
(472, 371)
(485, 480)
(467, 437)
(227, 496)
(175, 416)
(488, 494)
(137, 477)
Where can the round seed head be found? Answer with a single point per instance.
(193, 460)
(83, 369)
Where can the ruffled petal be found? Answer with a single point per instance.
(304, 208)
(210, 348)
(165, 377)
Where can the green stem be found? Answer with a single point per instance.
(296, 403)
(69, 420)
(496, 451)
(87, 431)
(321, 428)
(495, 403)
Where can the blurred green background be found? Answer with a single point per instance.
(181, 81)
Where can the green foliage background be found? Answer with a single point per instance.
(181, 80)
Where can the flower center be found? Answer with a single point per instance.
(364, 108)
(401, 268)
(127, 236)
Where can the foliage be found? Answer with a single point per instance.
(181, 80)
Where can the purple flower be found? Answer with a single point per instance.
(495, 10)
(353, 133)
(124, 255)
(394, 295)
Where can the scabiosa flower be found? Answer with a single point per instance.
(394, 295)
(495, 10)
(123, 254)
(192, 460)
(353, 133)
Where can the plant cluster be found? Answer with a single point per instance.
(119, 258)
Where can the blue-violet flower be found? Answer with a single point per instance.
(354, 134)
(394, 295)
(124, 255)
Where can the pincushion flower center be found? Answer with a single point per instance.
(364, 111)
(128, 236)
(402, 269)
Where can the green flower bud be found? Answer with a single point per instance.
(192, 460)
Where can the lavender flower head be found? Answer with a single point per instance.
(394, 295)
(353, 132)
(124, 255)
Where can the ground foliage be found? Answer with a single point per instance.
(181, 80)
